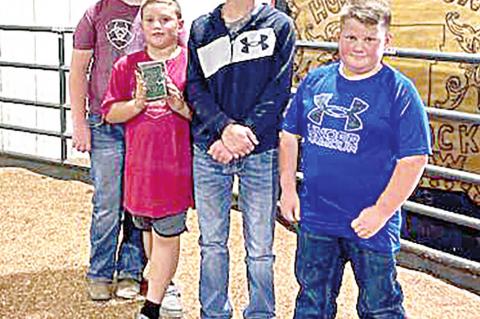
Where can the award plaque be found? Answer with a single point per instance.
(153, 73)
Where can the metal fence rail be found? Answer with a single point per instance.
(31, 66)
(31, 103)
(459, 271)
(59, 30)
(450, 173)
(32, 130)
(401, 52)
(441, 214)
(453, 115)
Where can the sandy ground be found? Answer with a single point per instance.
(44, 227)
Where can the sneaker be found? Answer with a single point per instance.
(127, 288)
(171, 304)
(98, 290)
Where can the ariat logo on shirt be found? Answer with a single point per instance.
(350, 114)
(119, 33)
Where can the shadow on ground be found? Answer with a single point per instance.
(51, 169)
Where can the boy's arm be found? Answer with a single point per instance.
(413, 144)
(198, 95)
(405, 178)
(122, 111)
(81, 139)
(238, 139)
(182, 109)
(176, 101)
(277, 92)
(288, 156)
(241, 140)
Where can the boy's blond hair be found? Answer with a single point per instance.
(369, 12)
(178, 9)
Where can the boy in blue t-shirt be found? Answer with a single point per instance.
(365, 142)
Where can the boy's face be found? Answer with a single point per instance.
(361, 46)
(161, 25)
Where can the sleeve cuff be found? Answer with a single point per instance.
(222, 123)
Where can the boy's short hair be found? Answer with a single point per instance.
(369, 12)
(178, 9)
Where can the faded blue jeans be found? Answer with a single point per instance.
(319, 265)
(258, 193)
(107, 158)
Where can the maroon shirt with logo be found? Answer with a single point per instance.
(105, 28)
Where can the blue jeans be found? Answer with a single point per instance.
(319, 266)
(258, 193)
(107, 158)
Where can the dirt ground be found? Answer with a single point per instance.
(44, 227)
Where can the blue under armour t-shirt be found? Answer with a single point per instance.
(353, 132)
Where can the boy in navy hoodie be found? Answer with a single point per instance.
(239, 77)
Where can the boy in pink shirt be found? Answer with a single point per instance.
(158, 179)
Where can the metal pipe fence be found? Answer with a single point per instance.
(62, 69)
(431, 170)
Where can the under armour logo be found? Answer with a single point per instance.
(247, 45)
(353, 123)
(119, 33)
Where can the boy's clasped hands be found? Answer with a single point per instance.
(236, 142)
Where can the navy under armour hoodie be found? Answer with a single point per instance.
(240, 77)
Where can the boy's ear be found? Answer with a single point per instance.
(388, 39)
(181, 23)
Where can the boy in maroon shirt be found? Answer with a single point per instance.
(102, 36)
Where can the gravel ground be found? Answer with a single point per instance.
(44, 226)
